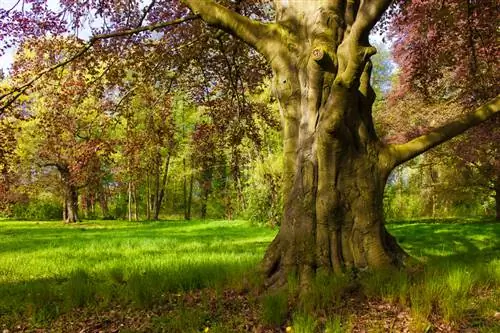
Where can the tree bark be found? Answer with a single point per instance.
(129, 201)
(497, 198)
(335, 166)
(70, 214)
(206, 187)
(156, 193)
(70, 211)
(136, 204)
(190, 197)
(162, 185)
(184, 190)
(148, 197)
(103, 201)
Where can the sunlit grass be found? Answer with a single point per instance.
(48, 268)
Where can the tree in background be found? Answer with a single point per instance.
(7, 161)
(64, 126)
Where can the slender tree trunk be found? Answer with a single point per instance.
(228, 203)
(190, 198)
(497, 198)
(184, 191)
(148, 198)
(103, 201)
(206, 186)
(236, 175)
(129, 201)
(65, 208)
(156, 193)
(162, 186)
(136, 205)
(86, 205)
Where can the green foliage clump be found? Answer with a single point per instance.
(304, 323)
(326, 290)
(40, 209)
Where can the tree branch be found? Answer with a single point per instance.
(369, 13)
(18, 91)
(403, 152)
(355, 50)
(256, 34)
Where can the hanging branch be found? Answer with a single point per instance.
(16, 92)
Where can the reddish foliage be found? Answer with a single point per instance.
(447, 49)
(448, 52)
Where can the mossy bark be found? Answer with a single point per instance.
(71, 197)
(333, 219)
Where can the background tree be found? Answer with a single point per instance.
(64, 126)
(7, 160)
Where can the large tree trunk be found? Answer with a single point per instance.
(335, 165)
(333, 219)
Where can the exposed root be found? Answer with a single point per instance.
(282, 259)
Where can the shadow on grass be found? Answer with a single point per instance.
(466, 242)
(40, 301)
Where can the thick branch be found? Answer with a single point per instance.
(369, 14)
(355, 50)
(252, 32)
(404, 152)
(151, 27)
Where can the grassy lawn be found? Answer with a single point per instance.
(190, 276)
(47, 268)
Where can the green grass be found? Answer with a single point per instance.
(48, 269)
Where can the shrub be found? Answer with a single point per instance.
(37, 209)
